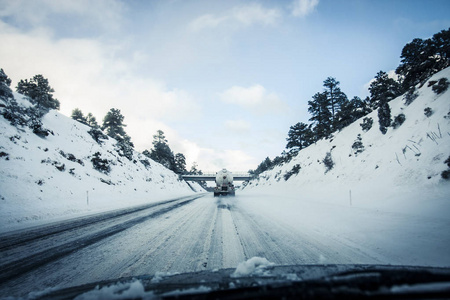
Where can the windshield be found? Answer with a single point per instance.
(154, 138)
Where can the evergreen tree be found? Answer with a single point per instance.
(5, 83)
(320, 116)
(300, 136)
(335, 98)
(113, 124)
(422, 58)
(441, 47)
(161, 151)
(159, 137)
(114, 127)
(350, 112)
(147, 153)
(383, 89)
(265, 165)
(91, 120)
(194, 169)
(77, 115)
(384, 117)
(39, 92)
(358, 146)
(180, 163)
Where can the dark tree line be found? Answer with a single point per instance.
(114, 127)
(331, 110)
(162, 154)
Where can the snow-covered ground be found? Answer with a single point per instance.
(39, 183)
(385, 205)
(389, 197)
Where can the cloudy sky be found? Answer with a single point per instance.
(223, 79)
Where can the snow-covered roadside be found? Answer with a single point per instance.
(417, 236)
(52, 178)
(389, 197)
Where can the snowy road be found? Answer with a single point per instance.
(182, 235)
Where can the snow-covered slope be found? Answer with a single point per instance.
(396, 170)
(51, 177)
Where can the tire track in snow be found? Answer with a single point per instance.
(46, 255)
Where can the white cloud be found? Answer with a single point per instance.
(236, 17)
(255, 14)
(86, 75)
(302, 8)
(254, 98)
(104, 14)
(207, 21)
(237, 126)
(210, 159)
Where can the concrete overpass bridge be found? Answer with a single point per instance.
(211, 176)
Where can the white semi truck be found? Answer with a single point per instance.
(224, 183)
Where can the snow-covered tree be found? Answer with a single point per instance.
(161, 151)
(114, 127)
(77, 115)
(180, 163)
(113, 124)
(383, 89)
(300, 136)
(422, 58)
(5, 83)
(91, 120)
(39, 91)
(384, 117)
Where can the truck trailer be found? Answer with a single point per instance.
(224, 183)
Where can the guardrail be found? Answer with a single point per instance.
(212, 177)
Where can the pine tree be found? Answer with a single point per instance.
(423, 58)
(113, 124)
(91, 120)
(265, 165)
(39, 92)
(350, 112)
(383, 89)
(161, 151)
(159, 137)
(300, 136)
(320, 116)
(194, 170)
(180, 163)
(358, 146)
(441, 47)
(384, 117)
(77, 115)
(5, 83)
(114, 127)
(335, 97)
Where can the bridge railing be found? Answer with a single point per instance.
(211, 176)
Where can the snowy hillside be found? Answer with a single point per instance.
(53, 176)
(405, 164)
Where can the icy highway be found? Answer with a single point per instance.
(182, 235)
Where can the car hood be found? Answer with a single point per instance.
(295, 281)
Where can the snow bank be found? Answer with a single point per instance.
(255, 266)
(130, 290)
(52, 178)
(389, 201)
(399, 170)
